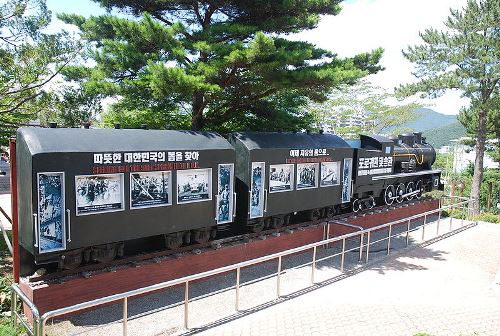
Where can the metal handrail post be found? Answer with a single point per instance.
(186, 306)
(367, 245)
(343, 256)
(125, 316)
(423, 227)
(278, 278)
(408, 233)
(361, 238)
(389, 239)
(463, 214)
(438, 222)
(237, 303)
(313, 265)
(13, 307)
(327, 234)
(36, 326)
(451, 216)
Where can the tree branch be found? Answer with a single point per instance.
(12, 109)
(39, 84)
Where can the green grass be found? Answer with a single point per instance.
(6, 328)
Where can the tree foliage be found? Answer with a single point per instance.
(464, 57)
(376, 110)
(220, 65)
(29, 60)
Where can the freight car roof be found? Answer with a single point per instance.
(258, 140)
(53, 140)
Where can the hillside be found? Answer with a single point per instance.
(429, 119)
(441, 136)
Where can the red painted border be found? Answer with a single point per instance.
(15, 222)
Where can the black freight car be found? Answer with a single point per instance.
(83, 192)
(284, 174)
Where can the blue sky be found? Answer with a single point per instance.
(362, 25)
(81, 7)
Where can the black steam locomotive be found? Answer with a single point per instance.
(84, 193)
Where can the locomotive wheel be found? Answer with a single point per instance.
(277, 222)
(356, 205)
(71, 260)
(410, 187)
(314, 214)
(371, 202)
(389, 195)
(329, 212)
(420, 188)
(173, 240)
(201, 236)
(257, 226)
(400, 191)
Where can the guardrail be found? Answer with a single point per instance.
(39, 322)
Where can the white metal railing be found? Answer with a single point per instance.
(39, 322)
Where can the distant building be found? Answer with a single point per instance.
(343, 121)
(464, 155)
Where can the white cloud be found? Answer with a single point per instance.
(364, 25)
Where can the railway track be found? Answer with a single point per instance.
(89, 270)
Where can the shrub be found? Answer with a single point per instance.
(489, 217)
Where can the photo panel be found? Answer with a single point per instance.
(346, 181)
(280, 178)
(99, 193)
(150, 189)
(330, 174)
(257, 189)
(225, 193)
(307, 175)
(194, 185)
(51, 221)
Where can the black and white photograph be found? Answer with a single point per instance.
(99, 193)
(307, 175)
(194, 185)
(280, 178)
(225, 194)
(150, 189)
(257, 191)
(346, 180)
(51, 212)
(330, 174)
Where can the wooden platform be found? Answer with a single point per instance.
(50, 296)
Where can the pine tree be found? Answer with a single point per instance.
(465, 57)
(219, 65)
(29, 60)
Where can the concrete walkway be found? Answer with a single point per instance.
(444, 288)
(5, 204)
(447, 288)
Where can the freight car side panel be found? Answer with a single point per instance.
(129, 187)
(292, 172)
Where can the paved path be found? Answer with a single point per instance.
(5, 204)
(444, 288)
